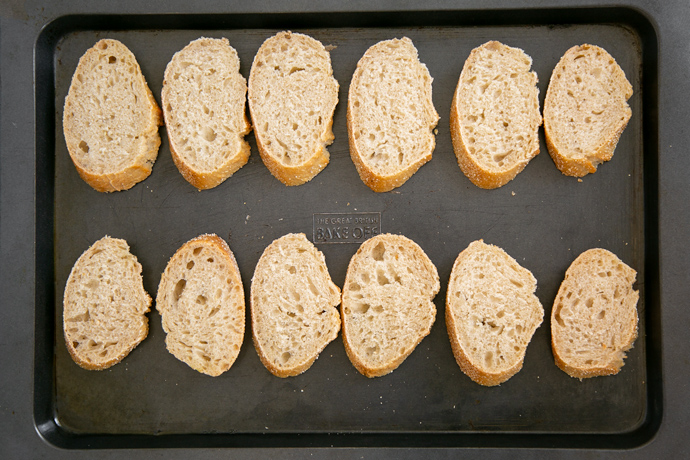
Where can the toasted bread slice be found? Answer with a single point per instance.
(201, 302)
(594, 315)
(110, 119)
(494, 117)
(203, 100)
(293, 305)
(105, 305)
(390, 115)
(292, 97)
(387, 306)
(491, 313)
(586, 109)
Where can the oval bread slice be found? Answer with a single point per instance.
(293, 305)
(292, 97)
(390, 115)
(201, 302)
(494, 117)
(594, 315)
(387, 305)
(586, 109)
(105, 305)
(203, 100)
(110, 119)
(491, 313)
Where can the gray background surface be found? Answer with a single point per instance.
(19, 27)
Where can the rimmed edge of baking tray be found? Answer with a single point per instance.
(45, 419)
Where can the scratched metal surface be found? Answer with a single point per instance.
(542, 218)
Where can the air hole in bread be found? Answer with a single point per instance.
(378, 252)
(589, 303)
(210, 260)
(197, 251)
(84, 147)
(190, 265)
(208, 133)
(381, 278)
(361, 308)
(201, 300)
(179, 288)
(285, 357)
(292, 270)
(377, 309)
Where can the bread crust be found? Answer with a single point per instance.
(298, 174)
(205, 179)
(559, 336)
(357, 361)
(587, 164)
(299, 367)
(67, 300)
(478, 175)
(221, 248)
(140, 166)
(380, 182)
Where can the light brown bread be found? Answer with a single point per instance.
(203, 100)
(387, 306)
(110, 119)
(292, 97)
(491, 313)
(105, 305)
(494, 117)
(586, 109)
(390, 115)
(201, 302)
(293, 305)
(594, 315)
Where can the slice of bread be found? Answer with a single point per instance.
(390, 115)
(586, 109)
(105, 305)
(292, 97)
(293, 305)
(594, 315)
(494, 116)
(203, 100)
(110, 119)
(201, 302)
(491, 313)
(387, 305)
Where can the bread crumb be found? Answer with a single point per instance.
(579, 180)
(512, 193)
(330, 47)
(436, 131)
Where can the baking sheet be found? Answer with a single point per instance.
(542, 218)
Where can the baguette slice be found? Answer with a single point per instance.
(494, 117)
(390, 115)
(387, 305)
(594, 315)
(201, 302)
(586, 109)
(293, 305)
(292, 97)
(105, 305)
(111, 119)
(491, 313)
(203, 101)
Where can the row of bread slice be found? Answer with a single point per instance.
(111, 118)
(386, 308)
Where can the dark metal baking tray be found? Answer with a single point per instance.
(542, 218)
